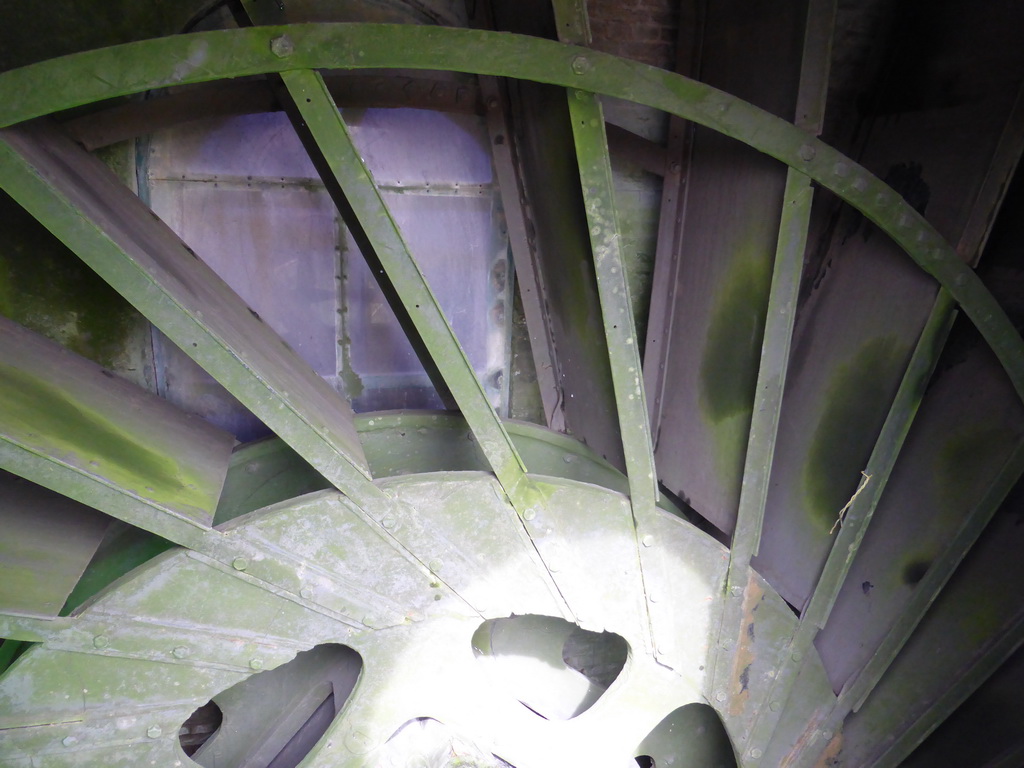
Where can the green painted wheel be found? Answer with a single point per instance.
(532, 600)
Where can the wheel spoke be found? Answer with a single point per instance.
(385, 241)
(82, 202)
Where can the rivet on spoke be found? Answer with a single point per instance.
(648, 540)
(256, 664)
(305, 593)
(69, 741)
(580, 65)
(737, 591)
(154, 731)
(435, 565)
(807, 153)
(827, 735)
(756, 753)
(388, 522)
(239, 563)
(180, 652)
(721, 696)
(775, 706)
(529, 514)
(797, 656)
(100, 641)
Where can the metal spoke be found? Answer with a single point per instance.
(86, 206)
(328, 129)
(853, 522)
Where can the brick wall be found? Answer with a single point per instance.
(644, 30)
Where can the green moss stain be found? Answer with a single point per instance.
(39, 414)
(858, 399)
(733, 349)
(728, 374)
(46, 288)
(966, 464)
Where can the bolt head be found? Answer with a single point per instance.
(358, 741)
(305, 593)
(756, 753)
(648, 540)
(154, 731)
(827, 735)
(529, 514)
(435, 565)
(721, 696)
(100, 641)
(69, 741)
(180, 652)
(807, 153)
(282, 46)
(581, 65)
(798, 656)
(388, 522)
(256, 664)
(239, 563)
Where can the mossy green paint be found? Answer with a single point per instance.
(967, 463)
(856, 403)
(40, 415)
(732, 353)
(46, 288)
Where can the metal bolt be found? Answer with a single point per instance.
(359, 741)
(841, 169)
(256, 664)
(529, 514)
(305, 593)
(827, 735)
(435, 565)
(101, 641)
(69, 741)
(648, 540)
(239, 563)
(282, 46)
(388, 522)
(797, 656)
(736, 591)
(756, 753)
(807, 153)
(720, 696)
(580, 65)
(154, 731)
(775, 706)
(180, 652)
